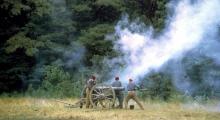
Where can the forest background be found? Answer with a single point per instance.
(49, 48)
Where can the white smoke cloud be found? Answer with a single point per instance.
(189, 26)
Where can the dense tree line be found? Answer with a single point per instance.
(54, 45)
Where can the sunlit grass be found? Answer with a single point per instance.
(32, 108)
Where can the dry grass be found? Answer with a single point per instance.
(40, 109)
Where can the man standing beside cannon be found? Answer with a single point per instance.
(118, 93)
(89, 84)
(131, 87)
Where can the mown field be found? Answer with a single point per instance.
(49, 109)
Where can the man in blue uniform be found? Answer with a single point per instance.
(118, 93)
(131, 87)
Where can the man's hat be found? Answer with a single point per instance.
(130, 79)
(117, 78)
(93, 77)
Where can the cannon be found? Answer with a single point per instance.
(101, 96)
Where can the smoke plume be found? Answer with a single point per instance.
(191, 25)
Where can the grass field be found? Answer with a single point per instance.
(48, 109)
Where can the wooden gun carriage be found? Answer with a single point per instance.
(101, 96)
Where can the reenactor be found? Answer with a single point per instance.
(89, 84)
(118, 93)
(131, 87)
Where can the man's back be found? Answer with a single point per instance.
(118, 92)
(131, 86)
(116, 84)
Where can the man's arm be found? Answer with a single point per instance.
(137, 87)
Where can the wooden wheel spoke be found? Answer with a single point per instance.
(109, 98)
(95, 98)
(95, 95)
(102, 96)
(101, 90)
(108, 94)
(96, 90)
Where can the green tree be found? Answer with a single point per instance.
(66, 34)
(160, 86)
(151, 12)
(15, 64)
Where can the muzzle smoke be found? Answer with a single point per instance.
(190, 24)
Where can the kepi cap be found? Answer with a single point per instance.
(93, 77)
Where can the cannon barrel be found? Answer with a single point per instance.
(114, 88)
(118, 88)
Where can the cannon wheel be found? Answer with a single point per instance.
(102, 96)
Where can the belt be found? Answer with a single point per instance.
(131, 90)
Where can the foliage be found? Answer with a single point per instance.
(67, 39)
(159, 86)
(152, 12)
(56, 83)
(17, 48)
(29, 7)
(21, 41)
(94, 41)
(203, 74)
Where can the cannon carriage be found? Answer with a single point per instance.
(101, 96)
